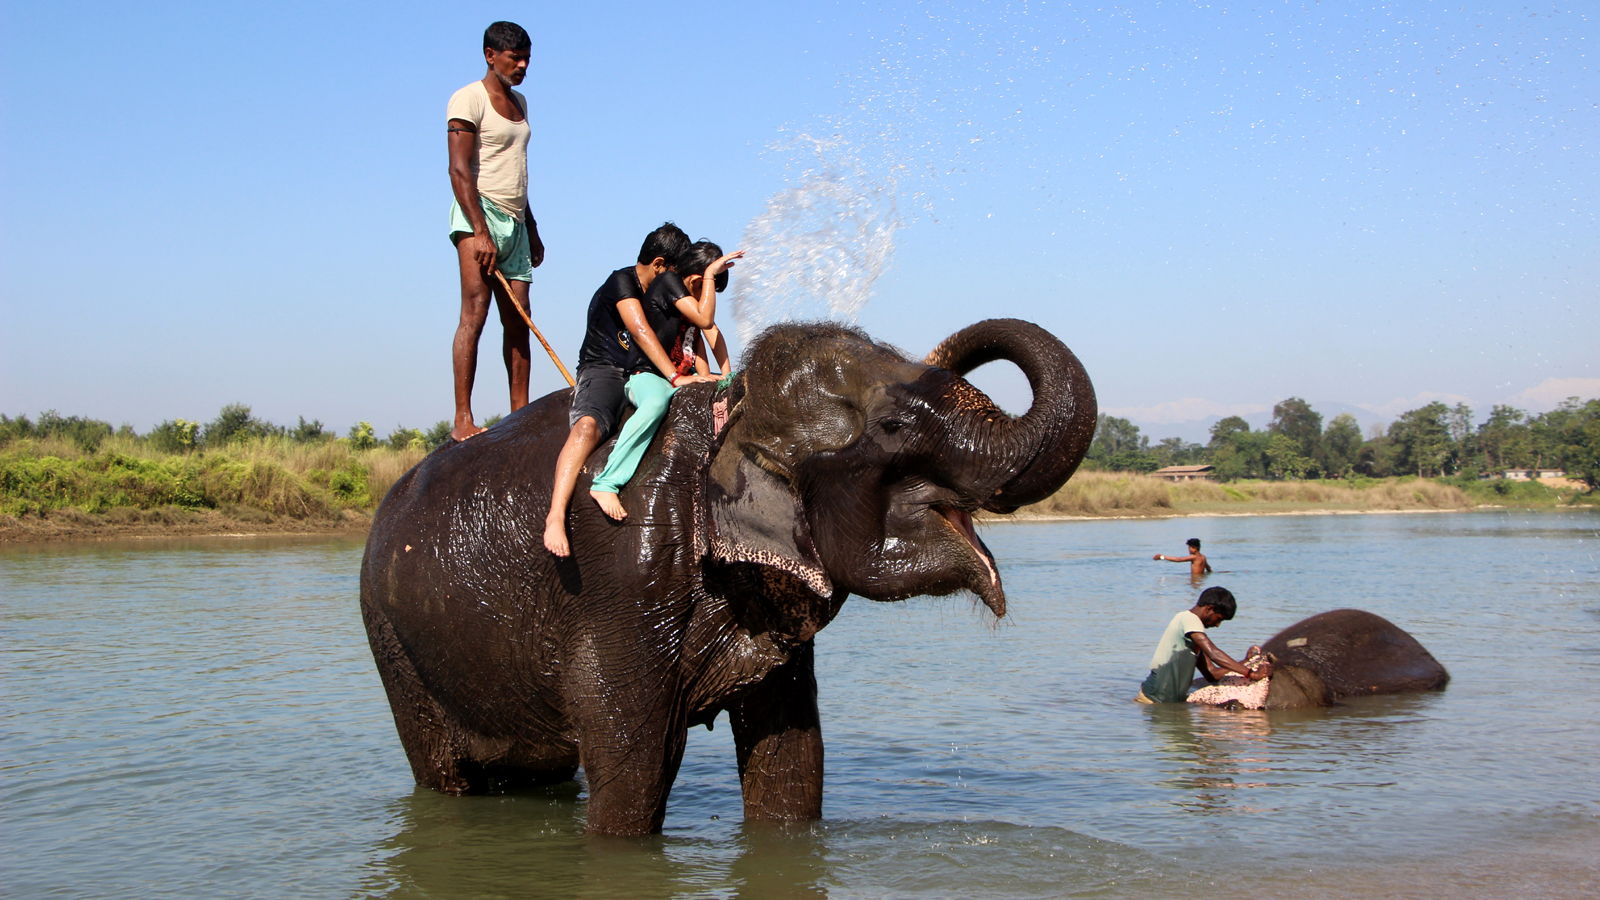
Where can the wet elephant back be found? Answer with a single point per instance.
(1351, 652)
(456, 565)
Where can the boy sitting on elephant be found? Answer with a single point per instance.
(616, 325)
(1184, 645)
(681, 308)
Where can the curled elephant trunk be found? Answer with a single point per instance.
(1022, 460)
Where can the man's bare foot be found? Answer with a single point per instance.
(609, 504)
(555, 538)
(459, 433)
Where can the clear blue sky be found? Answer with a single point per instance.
(1217, 206)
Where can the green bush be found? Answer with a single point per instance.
(403, 438)
(349, 483)
(86, 434)
(438, 435)
(235, 423)
(362, 437)
(175, 436)
(309, 432)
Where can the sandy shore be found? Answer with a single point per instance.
(1210, 514)
(74, 526)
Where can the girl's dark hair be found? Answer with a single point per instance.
(503, 36)
(668, 242)
(697, 258)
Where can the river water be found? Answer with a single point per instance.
(201, 718)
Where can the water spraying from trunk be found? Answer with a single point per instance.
(820, 244)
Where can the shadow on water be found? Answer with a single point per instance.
(1213, 758)
(532, 843)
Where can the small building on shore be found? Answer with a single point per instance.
(1186, 473)
(1527, 474)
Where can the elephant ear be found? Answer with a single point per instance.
(756, 516)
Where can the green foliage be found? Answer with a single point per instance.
(175, 436)
(1504, 440)
(1118, 445)
(176, 471)
(1131, 462)
(1422, 441)
(86, 434)
(1113, 436)
(1284, 459)
(1222, 433)
(1240, 454)
(94, 484)
(1573, 431)
(309, 432)
(362, 437)
(349, 483)
(438, 435)
(1341, 446)
(235, 423)
(403, 438)
(493, 420)
(1177, 452)
(1295, 420)
(1505, 492)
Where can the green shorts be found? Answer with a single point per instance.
(512, 255)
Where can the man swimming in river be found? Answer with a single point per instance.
(1196, 560)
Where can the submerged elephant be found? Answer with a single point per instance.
(843, 467)
(1347, 653)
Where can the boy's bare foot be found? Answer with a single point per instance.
(462, 432)
(609, 504)
(555, 538)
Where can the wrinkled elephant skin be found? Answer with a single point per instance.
(1347, 653)
(843, 467)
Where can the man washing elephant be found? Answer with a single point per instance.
(1319, 661)
(1185, 646)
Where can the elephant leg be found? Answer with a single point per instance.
(628, 788)
(631, 742)
(434, 743)
(778, 733)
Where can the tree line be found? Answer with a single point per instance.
(1430, 441)
(234, 424)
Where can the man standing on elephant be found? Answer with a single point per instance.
(491, 224)
(1184, 645)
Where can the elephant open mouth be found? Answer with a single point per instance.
(990, 592)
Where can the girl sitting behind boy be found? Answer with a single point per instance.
(681, 309)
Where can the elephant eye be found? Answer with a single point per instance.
(892, 425)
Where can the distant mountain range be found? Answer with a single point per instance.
(1198, 431)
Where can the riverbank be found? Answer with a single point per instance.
(1128, 495)
(53, 490)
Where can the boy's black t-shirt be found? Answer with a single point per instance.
(607, 342)
(666, 321)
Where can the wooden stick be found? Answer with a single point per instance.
(534, 328)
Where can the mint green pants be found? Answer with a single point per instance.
(649, 393)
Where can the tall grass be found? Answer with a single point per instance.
(1107, 493)
(272, 476)
(1092, 493)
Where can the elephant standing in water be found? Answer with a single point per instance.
(843, 467)
(1347, 653)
